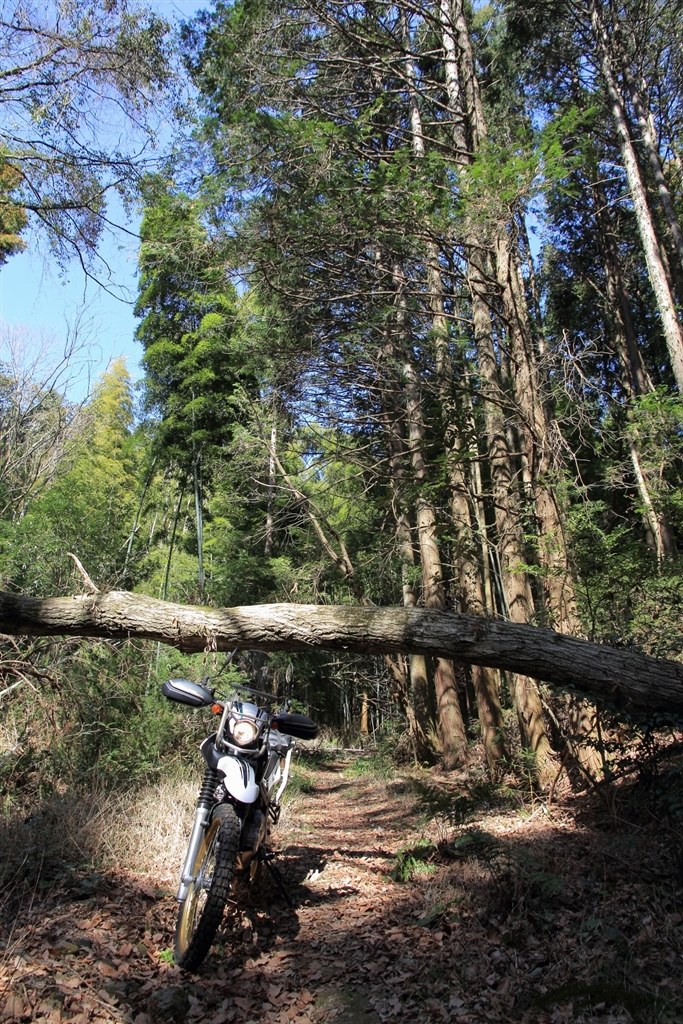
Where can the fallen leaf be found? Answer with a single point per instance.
(16, 1007)
(106, 969)
(243, 1003)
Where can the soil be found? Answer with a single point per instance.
(413, 902)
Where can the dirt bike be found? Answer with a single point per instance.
(247, 763)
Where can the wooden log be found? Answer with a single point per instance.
(624, 678)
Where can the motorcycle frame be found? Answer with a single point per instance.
(206, 802)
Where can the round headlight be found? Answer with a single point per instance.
(244, 733)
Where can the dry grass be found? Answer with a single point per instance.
(143, 832)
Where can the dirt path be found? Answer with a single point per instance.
(530, 917)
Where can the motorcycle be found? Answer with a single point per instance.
(247, 762)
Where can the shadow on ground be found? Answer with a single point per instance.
(572, 915)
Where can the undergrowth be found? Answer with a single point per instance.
(452, 807)
(375, 765)
(414, 860)
(301, 781)
(68, 838)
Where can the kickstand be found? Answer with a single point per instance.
(276, 875)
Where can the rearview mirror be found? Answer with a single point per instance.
(300, 726)
(184, 691)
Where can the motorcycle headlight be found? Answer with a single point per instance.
(244, 732)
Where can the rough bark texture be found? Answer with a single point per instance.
(449, 715)
(666, 303)
(464, 101)
(624, 678)
(471, 590)
(416, 705)
(635, 378)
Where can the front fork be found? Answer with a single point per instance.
(202, 815)
(201, 821)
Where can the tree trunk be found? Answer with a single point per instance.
(650, 148)
(636, 380)
(534, 425)
(272, 451)
(171, 543)
(659, 278)
(417, 704)
(364, 714)
(451, 725)
(471, 589)
(467, 116)
(624, 679)
(636, 377)
(505, 493)
(490, 256)
(449, 715)
(199, 518)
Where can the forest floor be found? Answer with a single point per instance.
(418, 898)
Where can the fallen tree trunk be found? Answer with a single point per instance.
(625, 679)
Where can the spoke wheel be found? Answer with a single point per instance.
(201, 912)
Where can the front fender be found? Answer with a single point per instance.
(239, 779)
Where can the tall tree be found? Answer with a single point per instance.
(626, 66)
(87, 505)
(79, 82)
(13, 217)
(345, 290)
(376, 160)
(188, 328)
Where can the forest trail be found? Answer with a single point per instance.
(523, 915)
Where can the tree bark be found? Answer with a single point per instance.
(625, 679)
(636, 380)
(638, 91)
(666, 303)
(495, 280)
(506, 498)
(472, 596)
(270, 521)
(451, 725)
(416, 707)
(467, 116)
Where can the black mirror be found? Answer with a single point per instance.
(184, 691)
(300, 726)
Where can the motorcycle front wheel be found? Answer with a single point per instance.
(213, 871)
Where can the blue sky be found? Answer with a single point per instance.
(36, 300)
(44, 305)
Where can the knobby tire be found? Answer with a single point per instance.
(215, 863)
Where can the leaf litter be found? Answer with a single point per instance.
(549, 916)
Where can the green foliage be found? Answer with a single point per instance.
(520, 881)
(348, 244)
(300, 781)
(54, 68)
(88, 507)
(100, 728)
(625, 596)
(13, 217)
(504, 174)
(655, 423)
(477, 843)
(451, 808)
(413, 861)
(371, 766)
(182, 573)
(188, 315)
